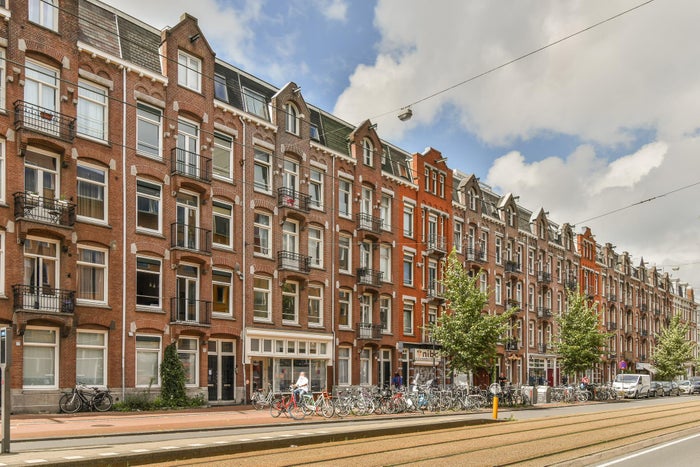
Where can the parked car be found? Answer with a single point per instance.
(656, 389)
(685, 387)
(695, 384)
(670, 388)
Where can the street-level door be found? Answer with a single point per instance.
(222, 370)
(385, 372)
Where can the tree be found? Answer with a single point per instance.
(580, 341)
(172, 375)
(466, 334)
(673, 350)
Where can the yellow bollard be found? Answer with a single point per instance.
(495, 407)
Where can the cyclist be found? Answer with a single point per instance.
(301, 386)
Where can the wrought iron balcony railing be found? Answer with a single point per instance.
(544, 277)
(612, 326)
(369, 331)
(512, 266)
(436, 244)
(369, 222)
(435, 290)
(544, 312)
(512, 344)
(190, 164)
(37, 208)
(43, 120)
(291, 198)
(289, 260)
(542, 348)
(190, 237)
(366, 276)
(43, 298)
(190, 311)
(476, 254)
(612, 298)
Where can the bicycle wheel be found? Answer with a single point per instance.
(276, 407)
(296, 411)
(102, 401)
(70, 403)
(327, 408)
(307, 405)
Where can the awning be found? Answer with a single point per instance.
(645, 366)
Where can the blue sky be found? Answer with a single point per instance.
(600, 121)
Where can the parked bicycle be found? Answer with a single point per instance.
(287, 404)
(260, 400)
(83, 396)
(321, 405)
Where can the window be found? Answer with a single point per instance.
(147, 360)
(344, 366)
(188, 352)
(92, 186)
(292, 118)
(344, 198)
(148, 206)
(498, 291)
(262, 234)
(222, 292)
(92, 110)
(41, 96)
(262, 171)
(3, 165)
(189, 71)
(365, 367)
(385, 314)
(44, 13)
(408, 269)
(148, 274)
(255, 103)
(290, 303)
(345, 308)
(91, 358)
(442, 186)
(385, 211)
(222, 156)
(458, 236)
(367, 152)
(530, 297)
(427, 179)
(93, 274)
(148, 131)
(316, 189)
(220, 90)
(408, 220)
(41, 273)
(314, 133)
(187, 153)
(261, 298)
(483, 282)
(2, 264)
(40, 358)
(315, 305)
(316, 247)
(3, 74)
(344, 253)
(408, 318)
(472, 199)
(223, 224)
(385, 262)
(499, 252)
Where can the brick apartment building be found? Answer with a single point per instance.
(155, 194)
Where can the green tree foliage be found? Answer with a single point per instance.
(580, 341)
(172, 375)
(467, 335)
(673, 350)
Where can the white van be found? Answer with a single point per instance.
(634, 386)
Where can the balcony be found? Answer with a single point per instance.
(42, 120)
(289, 198)
(644, 333)
(371, 277)
(32, 207)
(514, 305)
(436, 245)
(643, 308)
(43, 299)
(612, 298)
(290, 261)
(190, 238)
(369, 223)
(612, 326)
(190, 311)
(369, 331)
(511, 344)
(435, 291)
(543, 312)
(571, 284)
(544, 277)
(512, 267)
(542, 348)
(476, 255)
(657, 312)
(190, 164)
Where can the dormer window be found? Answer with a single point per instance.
(189, 71)
(367, 152)
(292, 118)
(220, 90)
(44, 13)
(472, 199)
(255, 103)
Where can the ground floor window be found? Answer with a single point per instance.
(343, 370)
(285, 372)
(188, 352)
(40, 362)
(148, 357)
(366, 367)
(91, 358)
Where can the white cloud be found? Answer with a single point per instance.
(335, 10)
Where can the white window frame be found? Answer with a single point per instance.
(104, 267)
(158, 274)
(189, 71)
(218, 283)
(345, 301)
(408, 220)
(385, 211)
(222, 148)
(189, 354)
(263, 165)
(367, 152)
(345, 245)
(3, 172)
(345, 198)
(458, 236)
(498, 290)
(220, 85)
(315, 298)
(263, 285)
(154, 380)
(265, 248)
(100, 186)
(344, 366)
(44, 13)
(290, 291)
(101, 380)
(2, 264)
(385, 309)
(365, 366)
(151, 198)
(408, 262)
(255, 103)
(315, 247)
(55, 345)
(408, 312)
(3, 76)
(153, 117)
(291, 114)
(93, 96)
(385, 261)
(225, 217)
(316, 189)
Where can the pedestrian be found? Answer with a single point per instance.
(584, 382)
(397, 380)
(502, 381)
(301, 386)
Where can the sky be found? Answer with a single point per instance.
(598, 123)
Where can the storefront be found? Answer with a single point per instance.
(422, 362)
(276, 358)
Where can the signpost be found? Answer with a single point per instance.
(5, 405)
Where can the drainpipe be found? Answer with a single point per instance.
(123, 175)
(243, 267)
(334, 225)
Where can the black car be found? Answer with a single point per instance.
(656, 389)
(671, 388)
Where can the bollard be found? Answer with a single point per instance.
(495, 407)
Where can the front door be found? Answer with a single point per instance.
(187, 221)
(221, 380)
(187, 298)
